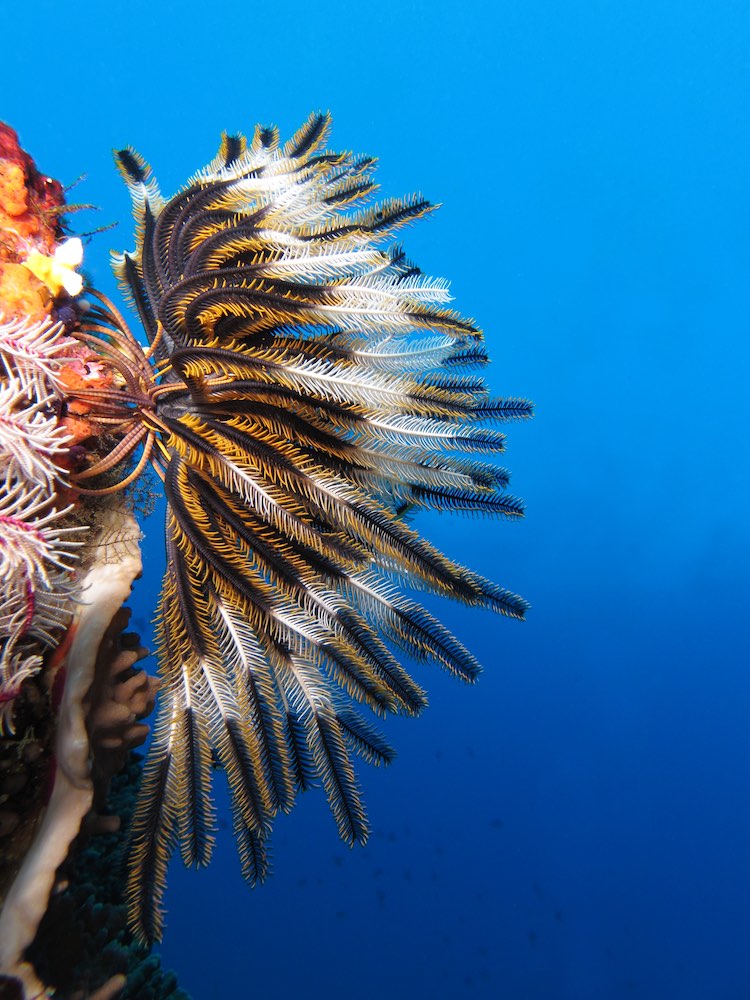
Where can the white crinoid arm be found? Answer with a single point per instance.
(37, 555)
(32, 351)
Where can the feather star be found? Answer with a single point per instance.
(305, 386)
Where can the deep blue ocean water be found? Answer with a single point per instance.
(577, 825)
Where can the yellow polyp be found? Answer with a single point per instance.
(58, 272)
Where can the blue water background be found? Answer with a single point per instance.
(577, 825)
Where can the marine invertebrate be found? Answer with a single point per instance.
(38, 548)
(305, 386)
(35, 566)
(107, 584)
(70, 700)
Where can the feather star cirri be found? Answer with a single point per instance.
(305, 386)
